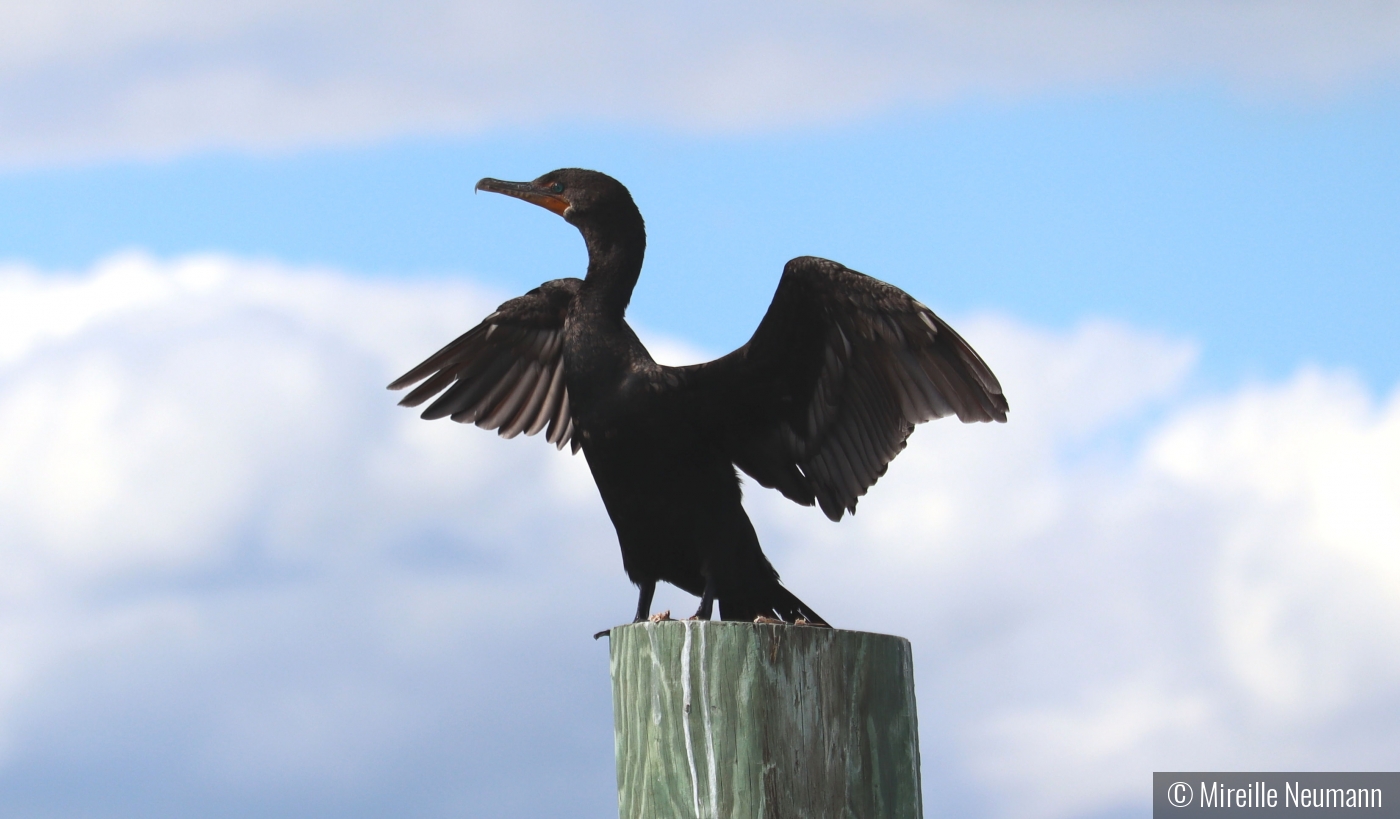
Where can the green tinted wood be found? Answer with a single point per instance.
(737, 720)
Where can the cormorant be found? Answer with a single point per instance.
(815, 405)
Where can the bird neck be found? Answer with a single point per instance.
(614, 263)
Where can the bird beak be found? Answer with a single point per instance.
(529, 191)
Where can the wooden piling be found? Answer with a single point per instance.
(749, 721)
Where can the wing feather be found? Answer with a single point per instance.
(506, 373)
(515, 396)
(525, 418)
(831, 385)
(552, 397)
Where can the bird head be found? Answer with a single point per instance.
(584, 198)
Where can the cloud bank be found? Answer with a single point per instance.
(81, 79)
(238, 581)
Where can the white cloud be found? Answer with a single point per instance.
(235, 575)
(82, 79)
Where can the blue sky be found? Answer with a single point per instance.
(1263, 229)
(236, 580)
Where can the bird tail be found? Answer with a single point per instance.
(769, 600)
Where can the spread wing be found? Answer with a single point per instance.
(506, 373)
(840, 370)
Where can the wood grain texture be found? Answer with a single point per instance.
(739, 720)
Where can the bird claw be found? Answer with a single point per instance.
(661, 617)
(767, 621)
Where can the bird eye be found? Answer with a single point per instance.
(557, 187)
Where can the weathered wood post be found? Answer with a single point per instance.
(723, 720)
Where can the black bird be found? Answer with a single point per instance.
(815, 405)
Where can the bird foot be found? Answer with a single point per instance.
(767, 621)
(801, 621)
(661, 617)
